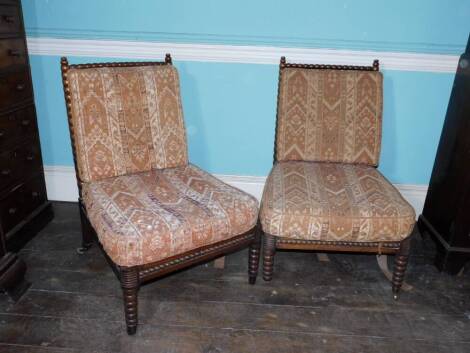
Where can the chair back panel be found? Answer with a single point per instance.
(126, 120)
(329, 115)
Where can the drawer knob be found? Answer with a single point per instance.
(8, 19)
(30, 158)
(14, 52)
(12, 210)
(25, 122)
(2, 134)
(6, 172)
(20, 86)
(35, 194)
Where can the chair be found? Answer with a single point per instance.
(149, 209)
(324, 192)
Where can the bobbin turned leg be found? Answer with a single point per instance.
(253, 256)
(130, 288)
(401, 261)
(87, 235)
(269, 250)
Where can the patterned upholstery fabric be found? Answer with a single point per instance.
(149, 216)
(329, 115)
(333, 202)
(126, 120)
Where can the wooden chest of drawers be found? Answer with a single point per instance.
(446, 213)
(24, 207)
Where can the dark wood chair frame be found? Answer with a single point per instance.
(271, 243)
(131, 278)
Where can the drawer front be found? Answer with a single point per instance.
(12, 52)
(11, 209)
(14, 89)
(29, 159)
(34, 194)
(20, 202)
(9, 18)
(19, 163)
(17, 126)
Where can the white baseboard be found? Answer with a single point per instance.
(61, 183)
(62, 186)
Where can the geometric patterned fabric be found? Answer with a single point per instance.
(149, 216)
(333, 202)
(126, 120)
(329, 115)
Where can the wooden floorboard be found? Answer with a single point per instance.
(277, 318)
(13, 348)
(344, 305)
(108, 336)
(374, 299)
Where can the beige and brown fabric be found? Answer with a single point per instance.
(126, 120)
(329, 115)
(333, 202)
(149, 216)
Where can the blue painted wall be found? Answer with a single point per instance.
(400, 25)
(230, 108)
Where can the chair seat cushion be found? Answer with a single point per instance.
(333, 202)
(146, 217)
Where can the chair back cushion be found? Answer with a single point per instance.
(126, 120)
(329, 115)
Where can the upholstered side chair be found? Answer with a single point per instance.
(145, 205)
(324, 192)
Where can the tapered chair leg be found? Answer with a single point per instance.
(87, 237)
(130, 289)
(269, 249)
(253, 257)
(401, 261)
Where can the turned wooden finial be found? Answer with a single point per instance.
(283, 61)
(168, 59)
(376, 65)
(64, 61)
(64, 66)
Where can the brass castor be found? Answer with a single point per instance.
(131, 330)
(84, 248)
